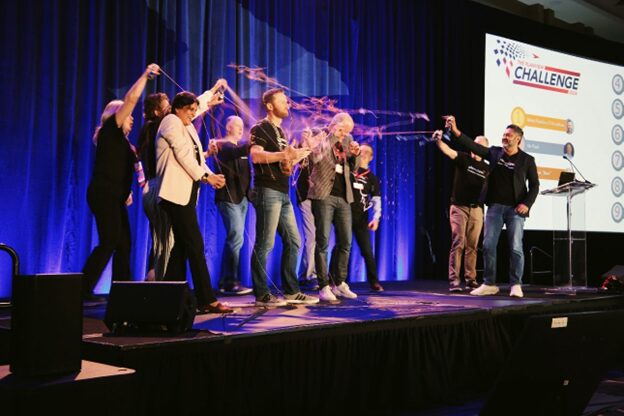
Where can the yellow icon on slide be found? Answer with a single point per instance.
(521, 119)
(518, 117)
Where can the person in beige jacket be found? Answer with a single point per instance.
(181, 168)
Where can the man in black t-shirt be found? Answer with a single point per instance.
(465, 213)
(272, 160)
(508, 200)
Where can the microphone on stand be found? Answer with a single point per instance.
(574, 168)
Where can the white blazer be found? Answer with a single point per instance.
(176, 163)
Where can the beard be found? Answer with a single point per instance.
(281, 113)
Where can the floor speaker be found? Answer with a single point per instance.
(148, 307)
(46, 324)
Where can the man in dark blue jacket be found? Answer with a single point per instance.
(508, 200)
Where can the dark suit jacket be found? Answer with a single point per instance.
(524, 171)
(324, 168)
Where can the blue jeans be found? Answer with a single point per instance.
(496, 216)
(327, 211)
(306, 267)
(234, 221)
(274, 212)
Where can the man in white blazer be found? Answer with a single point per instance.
(181, 168)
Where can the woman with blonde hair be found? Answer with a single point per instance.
(109, 191)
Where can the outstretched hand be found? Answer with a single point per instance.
(152, 71)
(451, 122)
(436, 136)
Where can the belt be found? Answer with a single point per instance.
(469, 205)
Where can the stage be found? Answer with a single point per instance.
(408, 348)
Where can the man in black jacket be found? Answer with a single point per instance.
(233, 162)
(508, 200)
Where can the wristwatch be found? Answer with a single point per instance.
(205, 177)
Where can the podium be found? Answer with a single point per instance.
(569, 239)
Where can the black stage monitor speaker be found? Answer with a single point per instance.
(46, 324)
(557, 364)
(149, 307)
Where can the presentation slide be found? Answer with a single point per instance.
(566, 105)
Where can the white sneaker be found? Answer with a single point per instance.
(516, 291)
(343, 290)
(299, 298)
(485, 290)
(326, 295)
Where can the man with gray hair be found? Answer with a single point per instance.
(335, 155)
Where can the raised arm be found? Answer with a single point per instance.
(437, 136)
(464, 140)
(210, 97)
(134, 93)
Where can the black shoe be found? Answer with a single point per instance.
(471, 284)
(91, 298)
(235, 290)
(455, 289)
(309, 283)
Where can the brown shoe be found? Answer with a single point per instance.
(471, 284)
(376, 287)
(218, 308)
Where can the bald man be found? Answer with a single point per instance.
(233, 162)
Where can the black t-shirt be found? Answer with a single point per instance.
(501, 185)
(233, 163)
(340, 187)
(470, 176)
(114, 160)
(365, 187)
(147, 147)
(272, 139)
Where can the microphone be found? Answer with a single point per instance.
(574, 168)
(446, 135)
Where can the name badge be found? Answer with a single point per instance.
(339, 168)
(358, 185)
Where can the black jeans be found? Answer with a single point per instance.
(188, 245)
(362, 237)
(111, 218)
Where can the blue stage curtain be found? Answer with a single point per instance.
(62, 61)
